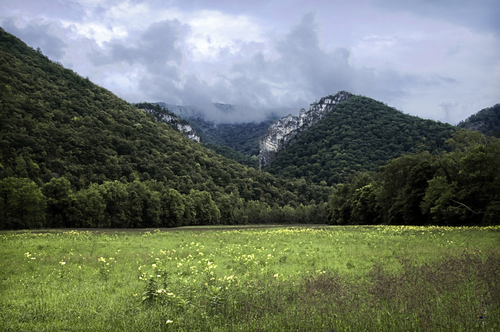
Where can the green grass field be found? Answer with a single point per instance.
(381, 278)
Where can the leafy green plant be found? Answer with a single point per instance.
(156, 287)
(105, 267)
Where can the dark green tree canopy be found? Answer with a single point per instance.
(486, 121)
(460, 187)
(360, 134)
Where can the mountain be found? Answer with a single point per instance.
(353, 134)
(486, 121)
(288, 129)
(74, 154)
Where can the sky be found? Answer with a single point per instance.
(437, 59)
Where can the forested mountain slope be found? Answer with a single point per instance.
(242, 138)
(486, 121)
(60, 129)
(457, 187)
(359, 134)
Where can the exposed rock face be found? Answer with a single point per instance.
(188, 131)
(172, 119)
(286, 130)
(476, 126)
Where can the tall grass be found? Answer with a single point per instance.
(382, 278)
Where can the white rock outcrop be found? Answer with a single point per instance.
(167, 117)
(188, 131)
(286, 130)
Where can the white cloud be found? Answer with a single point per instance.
(212, 32)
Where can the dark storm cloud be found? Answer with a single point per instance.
(299, 71)
(305, 68)
(37, 34)
(301, 66)
(293, 71)
(305, 62)
(154, 48)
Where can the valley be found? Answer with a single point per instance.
(72, 154)
(348, 216)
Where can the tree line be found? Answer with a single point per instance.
(460, 187)
(136, 204)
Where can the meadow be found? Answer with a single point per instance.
(332, 278)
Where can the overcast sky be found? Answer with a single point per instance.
(437, 59)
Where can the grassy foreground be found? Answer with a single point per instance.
(381, 278)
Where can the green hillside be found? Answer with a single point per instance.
(458, 187)
(360, 134)
(69, 144)
(486, 121)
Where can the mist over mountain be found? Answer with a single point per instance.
(227, 129)
(225, 113)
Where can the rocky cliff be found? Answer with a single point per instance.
(161, 114)
(486, 121)
(181, 125)
(286, 130)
